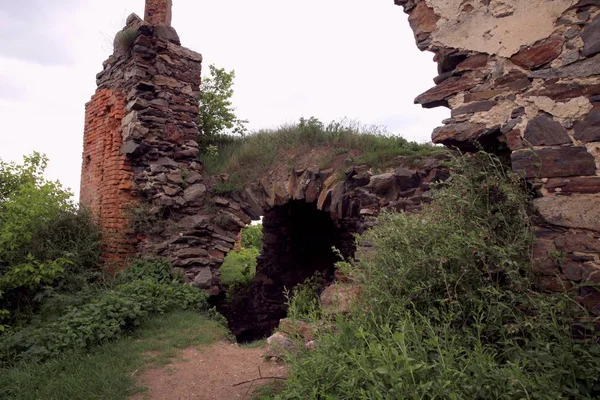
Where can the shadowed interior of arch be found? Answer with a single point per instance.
(298, 242)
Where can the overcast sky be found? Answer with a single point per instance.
(324, 58)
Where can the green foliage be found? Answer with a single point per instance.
(239, 266)
(217, 119)
(48, 246)
(246, 158)
(252, 236)
(268, 390)
(146, 291)
(227, 187)
(447, 311)
(27, 203)
(156, 270)
(304, 302)
(108, 371)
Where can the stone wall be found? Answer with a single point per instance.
(522, 79)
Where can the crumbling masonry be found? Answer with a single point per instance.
(522, 79)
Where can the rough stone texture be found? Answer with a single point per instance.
(158, 12)
(554, 162)
(140, 139)
(523, 77)
(588, 130)
(591, 38)
(279, 345)
(544, 131)
(546, 50)
(580, 211)
(337, 299)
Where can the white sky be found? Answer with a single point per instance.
(323, 58)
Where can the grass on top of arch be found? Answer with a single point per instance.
(244, 159)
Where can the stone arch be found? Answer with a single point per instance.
(305, 216)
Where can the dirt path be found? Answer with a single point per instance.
(209, 373)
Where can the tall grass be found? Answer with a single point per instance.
(247, 158)
(447, 309)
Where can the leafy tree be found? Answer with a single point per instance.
(42, 235)
(217, 120)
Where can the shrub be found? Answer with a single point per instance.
(156, 270)
(447, 310)
(252, 236)
(239, 266)
(304, 302)
(48, 246)
(107, 316)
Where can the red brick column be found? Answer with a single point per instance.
(107, 176)
(158, 12)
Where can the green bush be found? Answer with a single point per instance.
(239, 266)
(156, 270)
(252, 236)
(304, 302)
(48, 246)
(447, 310)
(106, 317)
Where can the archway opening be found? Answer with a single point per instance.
(299, 242)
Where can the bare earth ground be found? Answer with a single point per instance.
(209, 373)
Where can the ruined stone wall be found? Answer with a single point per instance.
(522, 79)
(140, 134)
(309, 210)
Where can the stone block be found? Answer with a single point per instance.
(578, 184)
(474, 107)
(588, 130)
(543, 130)
(591, 38)
(554, 162)
(580, 211)
(438, 95)
(540, 53)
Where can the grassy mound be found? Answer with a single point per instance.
(447, 309)
(245, 159)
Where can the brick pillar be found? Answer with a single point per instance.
(158, 12)
(107, 176)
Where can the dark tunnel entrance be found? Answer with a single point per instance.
(298, 242)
